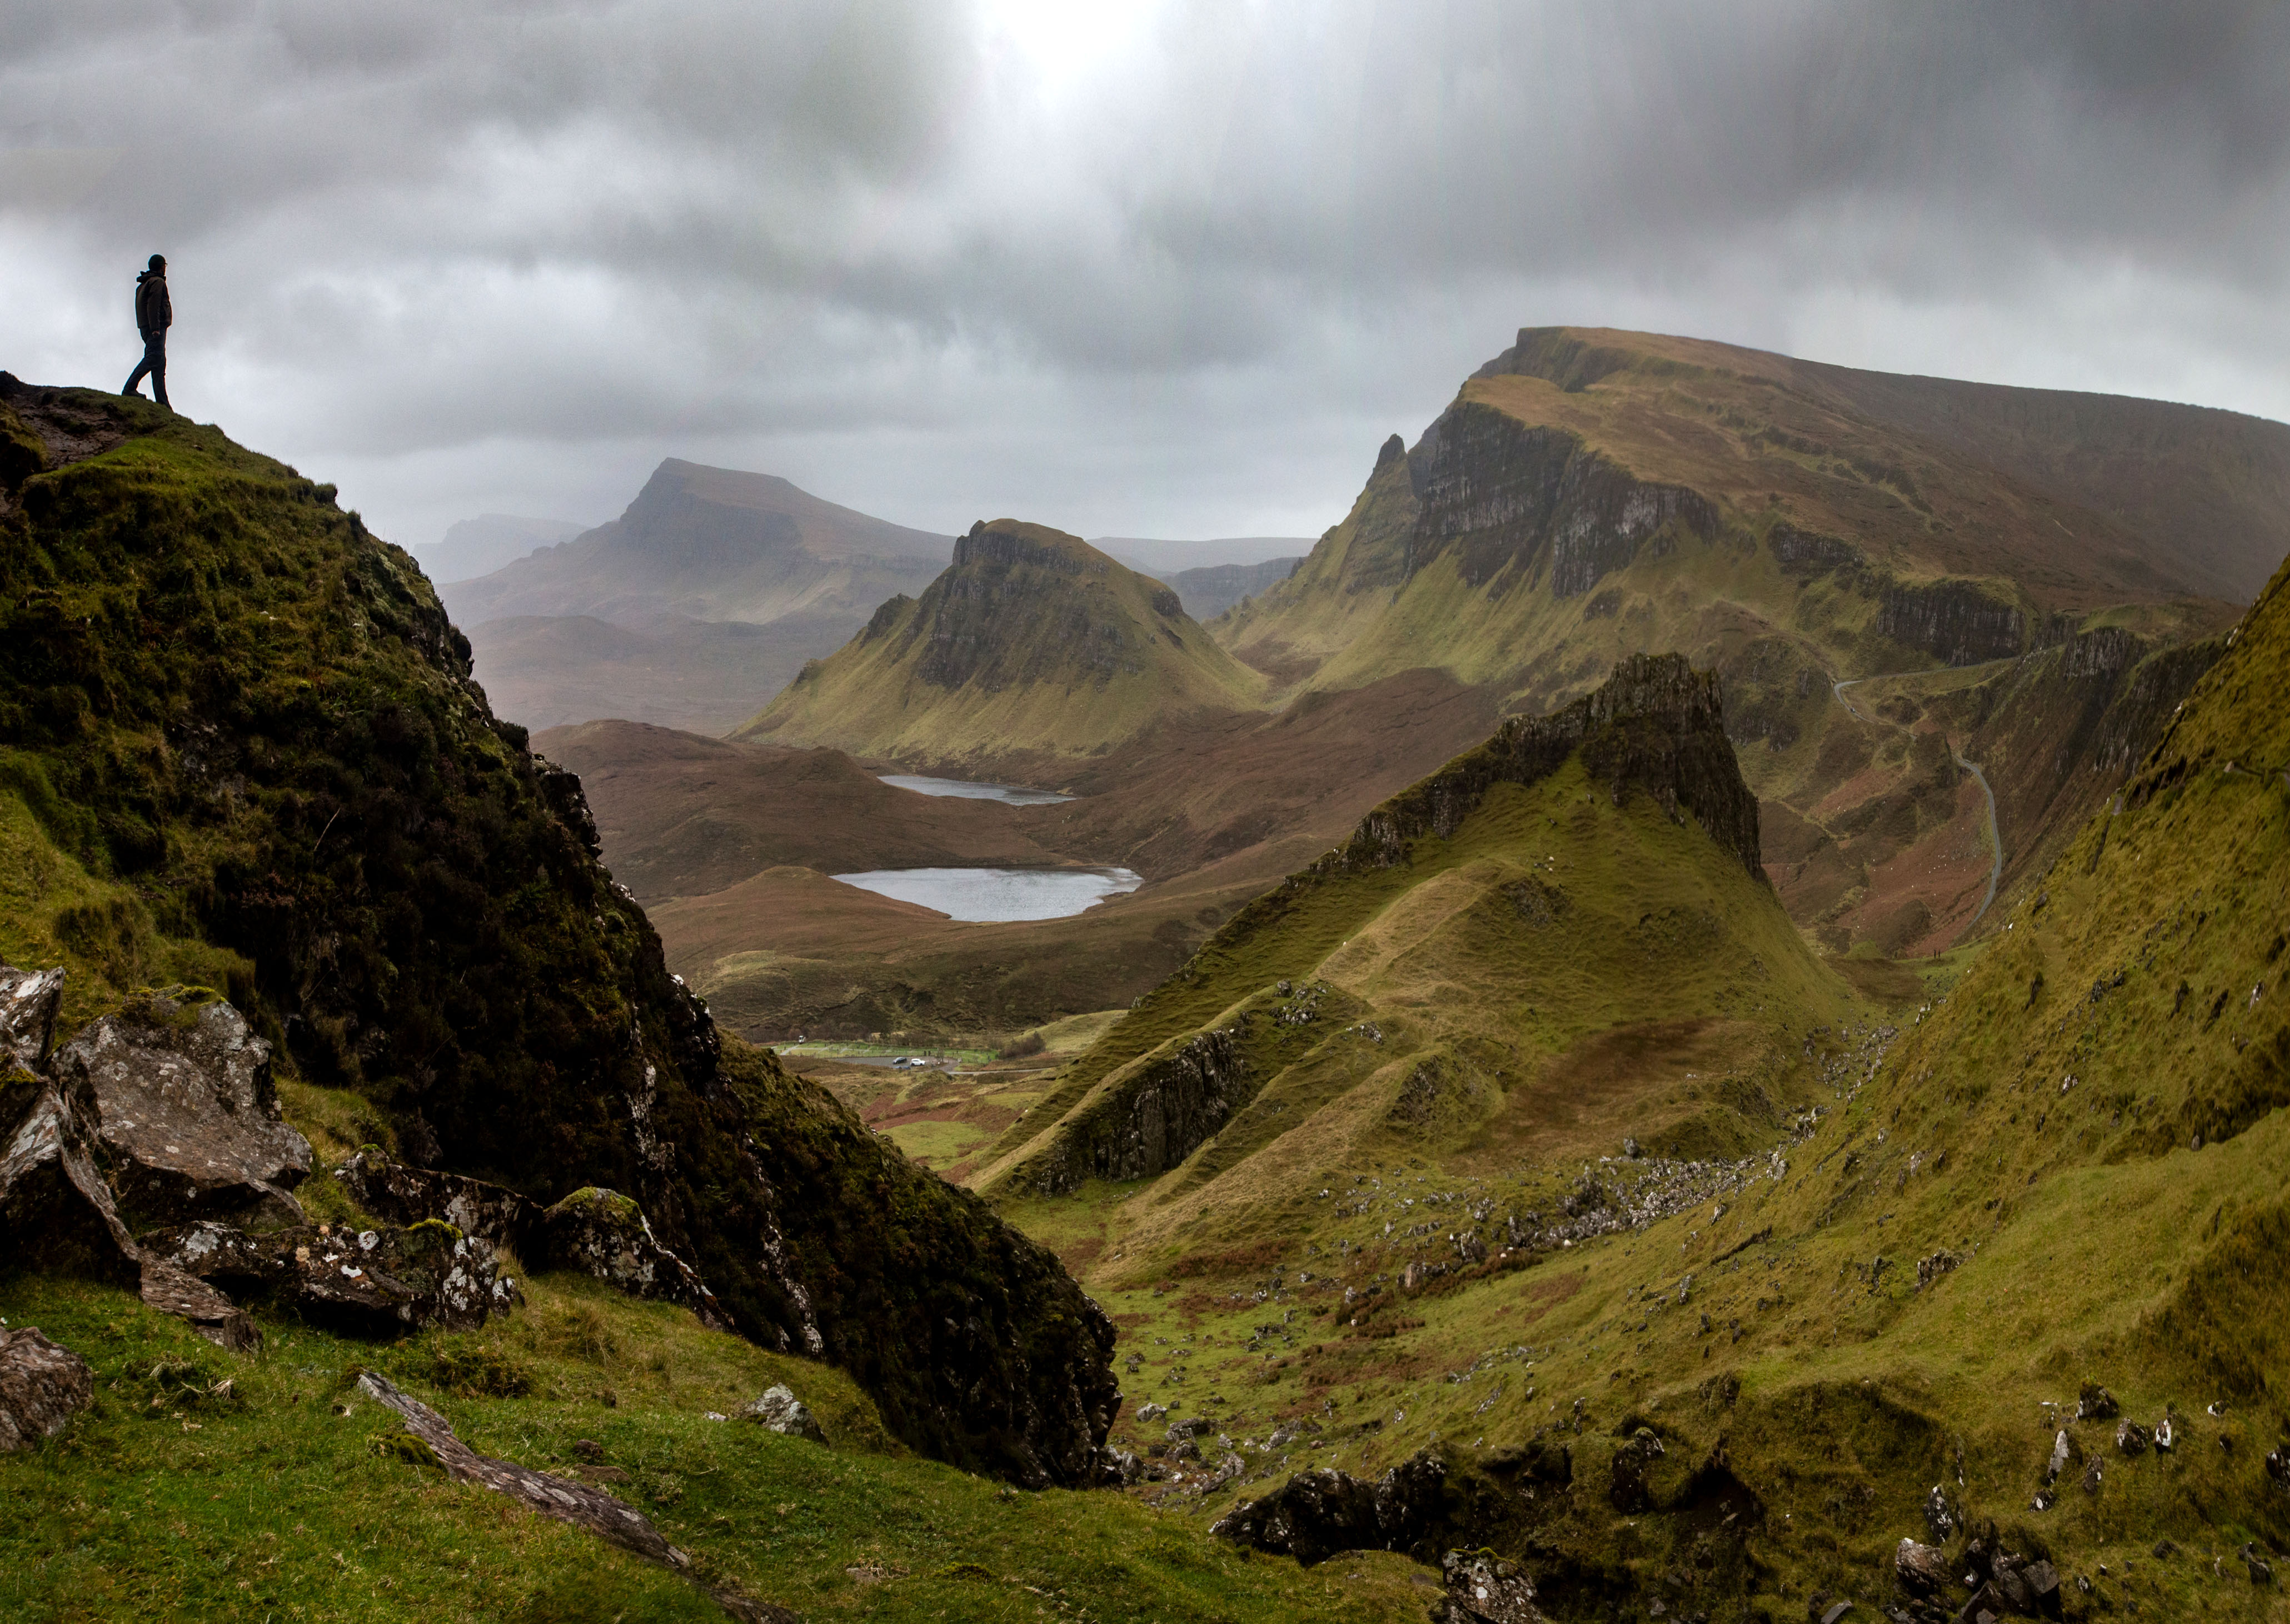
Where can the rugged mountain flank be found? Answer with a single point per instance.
(1034, 650)
(692, 608)
(1591, 870)
(246, 753)
(1591, 494)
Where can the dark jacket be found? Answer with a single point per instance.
(153, 313)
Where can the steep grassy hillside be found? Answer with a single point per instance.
(244, 751)
(1955, 1302)
(1591, 494)
(1033, 651)
(289, 1495)
(1539, 916)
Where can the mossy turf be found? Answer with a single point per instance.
(2066, 1166)
(242, 750)
(266, 1500)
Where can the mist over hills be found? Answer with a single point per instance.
(478, 547)
(690, 610)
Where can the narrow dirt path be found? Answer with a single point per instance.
(1995, 831)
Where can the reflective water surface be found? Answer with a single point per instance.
(968, 790)
(998, 893)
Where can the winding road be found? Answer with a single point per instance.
(1995, 833)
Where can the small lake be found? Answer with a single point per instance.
(997, 894)
(964, 789)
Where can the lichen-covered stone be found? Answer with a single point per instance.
(28, 999)
(56, 1212)
(391, 1189)
(380, 1282)
(187, 1117)
(779, 1411)
(604, 1234)
(42, 1387)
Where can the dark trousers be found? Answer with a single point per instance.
(155, 364)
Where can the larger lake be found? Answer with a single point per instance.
(964, 788)
(984, 894)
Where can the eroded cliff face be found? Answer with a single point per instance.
(1152, 1117)
(251, 720)
(1956, 621)
(1657, 727)
(1533, 505)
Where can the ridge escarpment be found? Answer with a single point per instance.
(1263, 994)
(246, 754)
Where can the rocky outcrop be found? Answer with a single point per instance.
(1434, 1500)
(1482, 1589)
(187, 1117)
(596, 1231)
(1956, 621)
(1535, 503)
(388, 1188)
(1155, 1113)
(42, 1387)
(56, 1212)
(1657, 727)
(169, 1290)
(606, 1235)
(1807, 553)
(383, 1281)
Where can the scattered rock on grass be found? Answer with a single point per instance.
(2132, 1438)
(42, 1387)
(779, 1411)
(2096, 1403)
(1483, 1586)
(1923, 1569)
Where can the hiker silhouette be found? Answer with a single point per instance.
(154, 314)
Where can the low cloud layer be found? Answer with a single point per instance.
(1157, 269)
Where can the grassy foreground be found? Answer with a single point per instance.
(281, 1495)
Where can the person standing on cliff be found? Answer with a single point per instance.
(154, 314)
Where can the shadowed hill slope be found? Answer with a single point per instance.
(1033, 648)
(244, 750)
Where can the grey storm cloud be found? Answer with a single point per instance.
(1125, 268)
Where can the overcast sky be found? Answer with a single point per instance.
(1157, 269)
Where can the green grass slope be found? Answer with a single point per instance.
(1488, 940)
(242, 750)
(2064, 1176)
(288, 1495)
(1033, 648)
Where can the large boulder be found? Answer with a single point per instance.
(597, 1231)
(42, 1387)
(379, 1282)
(56, 1212)
(604, 1234)
(390, 1189)
(1436, 1500)
(186, 1113)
